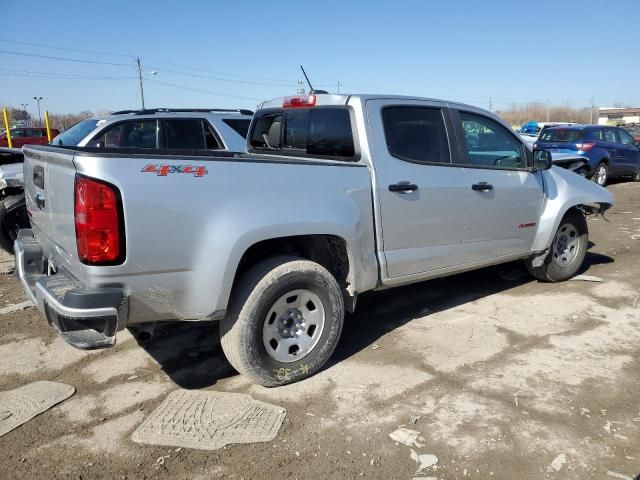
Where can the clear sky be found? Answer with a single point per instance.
(235, 53)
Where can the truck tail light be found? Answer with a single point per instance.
(99, 222)
(585, 147)
(302, 101)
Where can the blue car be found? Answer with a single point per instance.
(611, 151)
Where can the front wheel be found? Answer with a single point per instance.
(284, 321)
(601, 174)
(568, 250)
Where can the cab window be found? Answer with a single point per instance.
(416, 134)
(322, 132)
(489, 144)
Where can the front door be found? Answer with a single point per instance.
(629, 151)
(420, 195)
(505, 198)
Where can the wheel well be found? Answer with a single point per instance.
(330, 251)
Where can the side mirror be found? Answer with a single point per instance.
(542, 160)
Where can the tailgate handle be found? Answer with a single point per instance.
(38, 177)
(40, 198)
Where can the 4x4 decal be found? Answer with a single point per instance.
(164, 170)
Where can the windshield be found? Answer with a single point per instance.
(75, 134)
(561, 135)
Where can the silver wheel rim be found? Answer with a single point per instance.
(293, 326)
(601, 175)
(566, 245)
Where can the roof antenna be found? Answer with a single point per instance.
(311, 89)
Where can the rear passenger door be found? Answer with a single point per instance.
(420, 195)
(505, 197)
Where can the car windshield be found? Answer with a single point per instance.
(75, 134)
(561, 135)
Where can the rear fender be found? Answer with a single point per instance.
(565, 190)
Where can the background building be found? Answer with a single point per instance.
(616, 116)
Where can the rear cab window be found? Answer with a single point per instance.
(318, 132)
(562, 135)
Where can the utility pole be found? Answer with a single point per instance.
(593, 101)
(338, 86)
(300, 87)
(490, 104)
(39, 99)
(140, 80)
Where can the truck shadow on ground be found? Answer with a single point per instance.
(191, 355)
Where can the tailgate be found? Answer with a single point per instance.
(49, 183)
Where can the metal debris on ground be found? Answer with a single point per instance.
(558, 462)
(22, 404)
(425, 460)
(586, 278)
(16, 307)
(407, 437)
(619, 475)
(209, 420)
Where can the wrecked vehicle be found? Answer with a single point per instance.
(13, 212)
(336, 195)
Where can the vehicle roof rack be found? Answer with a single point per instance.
(148, 111)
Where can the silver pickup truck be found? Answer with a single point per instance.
(335, 195)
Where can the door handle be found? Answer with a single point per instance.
(403, 187)
(482, 187)
(40, 199)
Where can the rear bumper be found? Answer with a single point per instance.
(86, 318)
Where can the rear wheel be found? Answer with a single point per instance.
(601, 174)
(284, 321)
(636, 176)
(568, 250)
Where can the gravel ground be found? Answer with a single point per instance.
(503, 377)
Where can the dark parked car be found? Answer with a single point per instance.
(27, 136)
(610, 151)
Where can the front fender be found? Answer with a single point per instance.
(563, 191)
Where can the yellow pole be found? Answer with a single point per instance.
(46, 122)
(6, 126)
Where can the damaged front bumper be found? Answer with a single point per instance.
(86, 318)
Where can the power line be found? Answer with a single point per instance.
(252, 77)
(249, 82)
(24, 54)
(64, 76)
(97, 52)
(147, 79)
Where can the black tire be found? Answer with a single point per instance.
(10, 223)
(601, 174)
(259, 289)
(553, 269)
